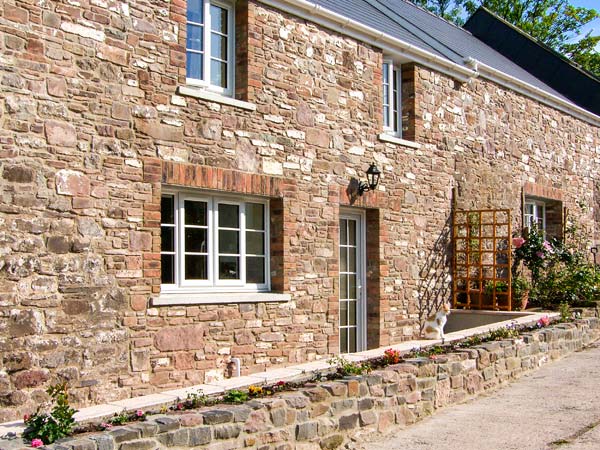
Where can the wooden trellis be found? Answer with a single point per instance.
(481, 275)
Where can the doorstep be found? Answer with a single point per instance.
(289, 374)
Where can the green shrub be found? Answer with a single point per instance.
(235, 396)
(59, 423)
(345, 367)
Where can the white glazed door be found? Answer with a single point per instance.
(352, 284)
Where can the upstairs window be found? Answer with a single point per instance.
(214, 243)
(392, 98)
(535, 215)
(210, 45)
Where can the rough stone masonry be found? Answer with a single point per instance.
(96, 121)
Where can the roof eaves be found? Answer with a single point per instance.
(352, 28)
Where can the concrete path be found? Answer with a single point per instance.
(555, 408)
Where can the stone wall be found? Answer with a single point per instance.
(328, 414)
(93, 117)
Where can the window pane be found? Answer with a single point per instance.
(344, 259)
(218, 19)
(218, 73)
(195, 35)
(196, 240)
(255, 270)
(167, 239)
(343, 232)
(255, 216)
(229, 268)
(196, 267)
(352, 259)
(343, 287)
(195, 213)
(352, 232)
(167, 209)
(352, 313)
(229, 241)
(343, 314)
(229, 216)
(193, 68)
(351, 340)
(195, 11)
(386, 73)
(218, 46)
(255, 243)
(344, 340)
(167, 269)
(351, 286)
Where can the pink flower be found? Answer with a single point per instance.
(548, 246)
(35, 443)
(518, 242)
(139, 413)
(540, 254)
(543, 322)
(105, 425)
(26, 417)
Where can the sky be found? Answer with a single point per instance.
(595, 24)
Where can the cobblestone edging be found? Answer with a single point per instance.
(325, 415)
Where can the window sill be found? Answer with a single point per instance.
(213, 97)
(207, 298)
(385, 137)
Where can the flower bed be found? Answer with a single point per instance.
(328, 413)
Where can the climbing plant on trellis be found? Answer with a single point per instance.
(481, 275)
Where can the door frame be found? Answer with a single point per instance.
(361, 265)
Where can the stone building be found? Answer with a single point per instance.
(179, 182)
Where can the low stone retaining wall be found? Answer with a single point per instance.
(325, 415)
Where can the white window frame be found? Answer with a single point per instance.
(394, 76)
(538, 211)
(213, 283)
(206, 51)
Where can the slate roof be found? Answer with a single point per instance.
(405, 21)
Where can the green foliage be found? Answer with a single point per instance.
(235, 396)
(429, 352)
(500, 286)
(59, 423)
(345, 367)
(507, 332)
(555, 23)
(126, 417)
(565, 312)
(448, 9)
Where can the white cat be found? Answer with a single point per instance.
(434, 325)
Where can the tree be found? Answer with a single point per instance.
(554, 23)
(448, 9)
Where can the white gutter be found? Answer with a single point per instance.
(533, 92)
(395, 47)
(398, 48)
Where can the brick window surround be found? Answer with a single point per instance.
(165, 173)
(552, 199)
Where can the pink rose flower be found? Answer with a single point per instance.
(35, 443)
(139, 413)
(518, 242)
(544, 321)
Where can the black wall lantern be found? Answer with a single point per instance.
(373, 175)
